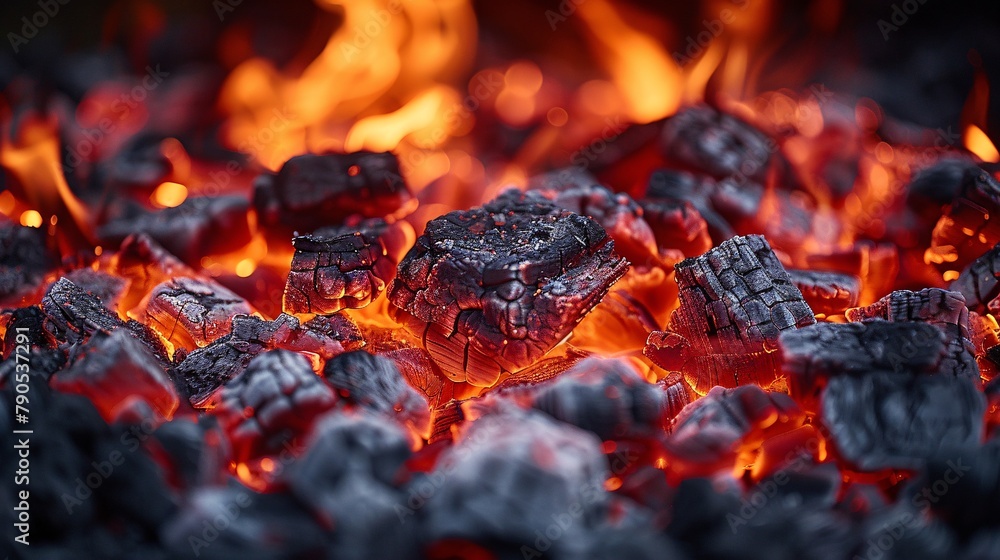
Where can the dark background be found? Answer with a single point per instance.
(922, 74)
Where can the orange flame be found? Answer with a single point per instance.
(980, 144)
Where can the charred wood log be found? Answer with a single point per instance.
(735, 302)
(492, 289)
(347, 267)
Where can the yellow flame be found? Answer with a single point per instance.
(31, 218)
(649, 79)
(980, 144)
(169, 195)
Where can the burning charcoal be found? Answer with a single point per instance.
(140, 165)
(813, 355)
(707, 434)
(875, 265)
(374, 383)
(891, 421)
(677, 224)
(72, 316)
(44, 363)
(145, 264)
(980, 281)
(934, 306)
(633, 543)
(829, 293)
(312, 191)
(512, 474)
(197, 227)
(206, 369)
(673, 188)
(617, 213)
(677, 394)
(344, 267)
(718, 144)
(347, 478)
(24, 259)
(234, 522)
(966, 228)
(492, 289)
(113, 368)
(985, 334)
(276, 397)
(109, 288)
(190, 313)
(735, 301)
(606, 397)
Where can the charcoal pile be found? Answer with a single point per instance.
(383, 298)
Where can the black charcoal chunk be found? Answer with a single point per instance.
(374, 382)
(735, 301)
(980, 281)
(605, 397)
(72, 316)
(968, 226)
(197, 227)
(891, 421)
(348, 478)
(813, 355)
(277, 397)
(254, 527)
(716, 143)
(316, 190)
(943, 309)
(501, 491)
(24, 258)
(338, 268)
(829, 293)
(492, 289)
(206, 369)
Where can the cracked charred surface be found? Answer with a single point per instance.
(272, 401)
(206, 369)
(492, 289)
(72, 316)
(735, 301)
(191, 313)
(829, 293)
(943, 309)
(347, 267)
